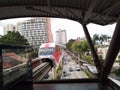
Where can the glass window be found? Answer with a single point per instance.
(14, 64)
(46, 51)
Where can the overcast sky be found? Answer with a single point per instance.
(73, 28)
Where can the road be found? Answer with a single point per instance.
(50, 76)
(74, 74)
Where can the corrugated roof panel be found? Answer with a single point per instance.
(61, 8)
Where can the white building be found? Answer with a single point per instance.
(102, 50)
(61, 37)
(9, 27)
(36, 30)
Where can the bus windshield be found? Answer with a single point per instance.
(46, 51)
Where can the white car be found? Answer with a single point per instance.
(78, 68)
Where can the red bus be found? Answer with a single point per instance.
(51, 51)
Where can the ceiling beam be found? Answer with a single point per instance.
(90, 9)
(58, 11)
(109, 9)
(49, 6)
(75, 15)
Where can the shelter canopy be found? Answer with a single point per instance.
(100, 12)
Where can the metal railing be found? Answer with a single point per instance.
(13, 73)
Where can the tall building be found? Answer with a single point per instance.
(9, 27)
(61, 37)
(36, 30)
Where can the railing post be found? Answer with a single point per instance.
(30, 73)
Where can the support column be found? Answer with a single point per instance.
(1, 71)
(94, 54)
(112, 52)
(29, 65)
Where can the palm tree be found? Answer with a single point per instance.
(104, 38)
(95, 39)
(101, 39)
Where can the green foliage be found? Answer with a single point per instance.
(81, 47)
(58, 72)
(119, 59)
(88, 74)
(69, 44)
(13, 38)
(117, 72)
(99, 39)
(89, 59)
(101, 59)
(95, 39)
(84, 46)
(34, 55)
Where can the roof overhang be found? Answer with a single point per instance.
(100, 12)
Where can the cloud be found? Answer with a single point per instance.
(1, 30)
(73, 28)
(12, 21)
(107, 30)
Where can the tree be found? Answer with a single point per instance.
(101, 59)
(13, 38)
(105, 37)
(34, 53)
(99, 39)
(117, 72)
(95, 39)
(69, 44)
(81, 48)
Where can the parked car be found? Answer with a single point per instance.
(64, 73)
(47, 76)
(70, 69)
(78, 69)
(65, 63)
(68, 60)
